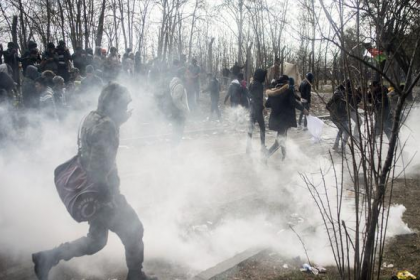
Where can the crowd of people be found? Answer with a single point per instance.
(57, 81)
(54, 81)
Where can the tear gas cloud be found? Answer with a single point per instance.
(200, 204)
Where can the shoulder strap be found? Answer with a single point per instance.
(79, 140)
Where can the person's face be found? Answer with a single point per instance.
(39, 87)
(51, 50)
(121, 113)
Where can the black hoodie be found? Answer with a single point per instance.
(29, 93)
(256, 91)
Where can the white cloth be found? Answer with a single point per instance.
(315, 126)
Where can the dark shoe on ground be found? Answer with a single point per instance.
(139, 275)
(43, 262)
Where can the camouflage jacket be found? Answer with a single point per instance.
(99, 141)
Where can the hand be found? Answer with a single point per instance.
(306, 112)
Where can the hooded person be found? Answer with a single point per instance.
(337, 106)
(50, 59)
(46, 98)
(234, 93)
(6, 84)
(256, 93)
(31, 56)
(283, 106)
(305, 94)
(99, 140)
(214, 89)
(30, 96)
(180, 105)
(92, 81)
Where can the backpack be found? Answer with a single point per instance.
(78, 193)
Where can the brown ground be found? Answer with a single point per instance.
(403, 251)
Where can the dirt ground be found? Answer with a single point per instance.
(402, 252)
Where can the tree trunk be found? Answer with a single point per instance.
(100, 31)
(210, 55)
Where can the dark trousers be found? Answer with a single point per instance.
(257, 117)
(383, 123)
(302, 115)
(280, 142)
(119, 218)
(215, 105)
(342, 134)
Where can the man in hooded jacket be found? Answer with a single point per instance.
(180, 106)
(283, 103)
(99, 146)
(305, 88)
(256, 92)
(30, 95)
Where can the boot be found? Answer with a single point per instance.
(43, 262)
(139, 275)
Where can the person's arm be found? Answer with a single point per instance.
(294, 102)
(101, 161)
(228, 95)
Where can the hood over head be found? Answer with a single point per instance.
(113, 102)
(32, 72)
(260, 75)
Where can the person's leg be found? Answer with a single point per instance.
(354, 116)
(305, 123)
(126, 224)
(346, 134)
(95, 240)
(279, 143)
(261, 124)
(250, 132)
(300, 119)
(212, 107)
(338, 137)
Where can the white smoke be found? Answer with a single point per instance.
(199, 205)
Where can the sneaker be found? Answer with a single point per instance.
(305, 128)
(43, 262)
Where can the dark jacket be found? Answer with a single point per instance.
(256, 91)
(99, 145)
(337, 106)
(353, 99)
(214, 88)
(28, 59)
(29, 94)
(305, 90)
(49, 61)
(235, 92)
(283, 103)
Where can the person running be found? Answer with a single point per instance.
(305, 94)
(283, 104)
(256, 91)
(98, 150)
